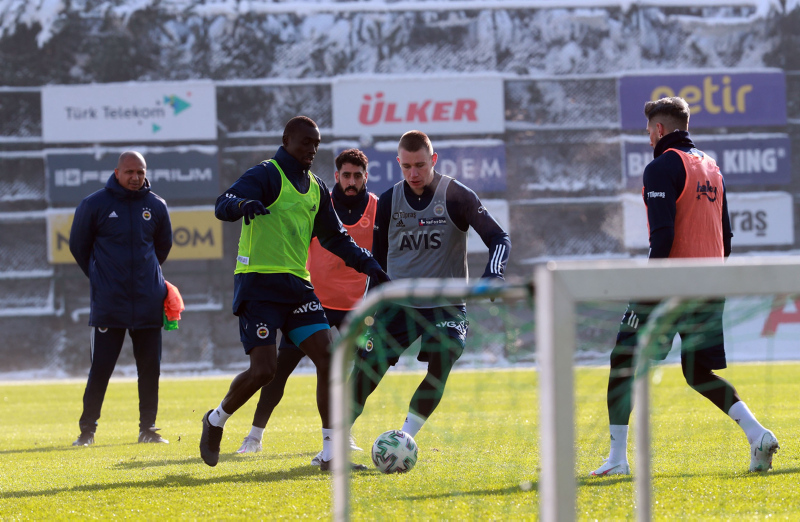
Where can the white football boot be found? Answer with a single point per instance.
(250, 445)
(611, 468)
(318, 458)
(762, 450)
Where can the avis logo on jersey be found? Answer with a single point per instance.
(421, 240)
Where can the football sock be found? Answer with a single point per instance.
(740, 413)
(413, 424)
(218, 417)
(619, 443)
(256, 433)
(327, 444)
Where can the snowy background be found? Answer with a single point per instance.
(270, 60)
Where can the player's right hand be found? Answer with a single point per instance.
(376, 277)
(252, 208)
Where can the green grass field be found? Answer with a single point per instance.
(478, 453)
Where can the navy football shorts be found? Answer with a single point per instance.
(335, 318)
(442, 329)
(700, 328)
(259, 321)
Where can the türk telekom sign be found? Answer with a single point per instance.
(129, 112)
(390, 107)
(715, 99)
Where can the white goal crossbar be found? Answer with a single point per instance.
(560, 286)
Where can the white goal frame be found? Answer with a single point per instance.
(560, 286)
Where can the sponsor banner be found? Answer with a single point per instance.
(498, 208)
(757, 219)
(392, 106)
(745, 160)
(196, 234)
(129, 112)
(759, 328)
(480, 166)
(716, 100)
(174, 174)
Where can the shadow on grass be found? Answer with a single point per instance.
(179, 481)
(67, 447)
(616, 479)
(234, 457)
(534, 487)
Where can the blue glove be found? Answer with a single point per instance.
(252, 208)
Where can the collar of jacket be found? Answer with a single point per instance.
(121, 192)
(289, 165)
(673, 140)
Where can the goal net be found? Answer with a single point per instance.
(524, 416)
(486, 416)
(683, 465)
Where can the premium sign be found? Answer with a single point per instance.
(175, 174)
(757, 159)
(196, 234)
(129, 112)
(757, 219)
(480, 165)
(390, 107)
(715, 100)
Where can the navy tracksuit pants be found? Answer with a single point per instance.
(105, 349)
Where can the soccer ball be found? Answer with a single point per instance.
(394, 452)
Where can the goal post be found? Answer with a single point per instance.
(560, 286)
(355, 325)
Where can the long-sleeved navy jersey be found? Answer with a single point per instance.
(466, 210)
(665, 176)
(263, 183)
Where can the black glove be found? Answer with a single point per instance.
(252, 208)
(376, 277)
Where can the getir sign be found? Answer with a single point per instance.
(390, 107)
(196, 234)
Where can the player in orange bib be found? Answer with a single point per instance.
(687, 217)
(338, 287)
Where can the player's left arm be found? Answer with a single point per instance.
(466, 210)
(332, 236)
(162, 237)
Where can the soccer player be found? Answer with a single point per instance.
(687, 215)
(283, 205)
(338, 287)
(421, 231)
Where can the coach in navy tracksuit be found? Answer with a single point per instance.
(120, 237)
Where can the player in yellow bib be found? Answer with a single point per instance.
(283, 205)
(338, 287)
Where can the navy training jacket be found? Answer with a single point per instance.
(119, 238)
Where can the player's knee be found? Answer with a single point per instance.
(262, 375)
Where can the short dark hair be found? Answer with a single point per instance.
(673, 110)
(296, 123)
(415, 140)
(352, 156)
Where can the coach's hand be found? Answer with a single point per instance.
(252, 208)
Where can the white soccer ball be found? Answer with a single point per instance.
(394, 451)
